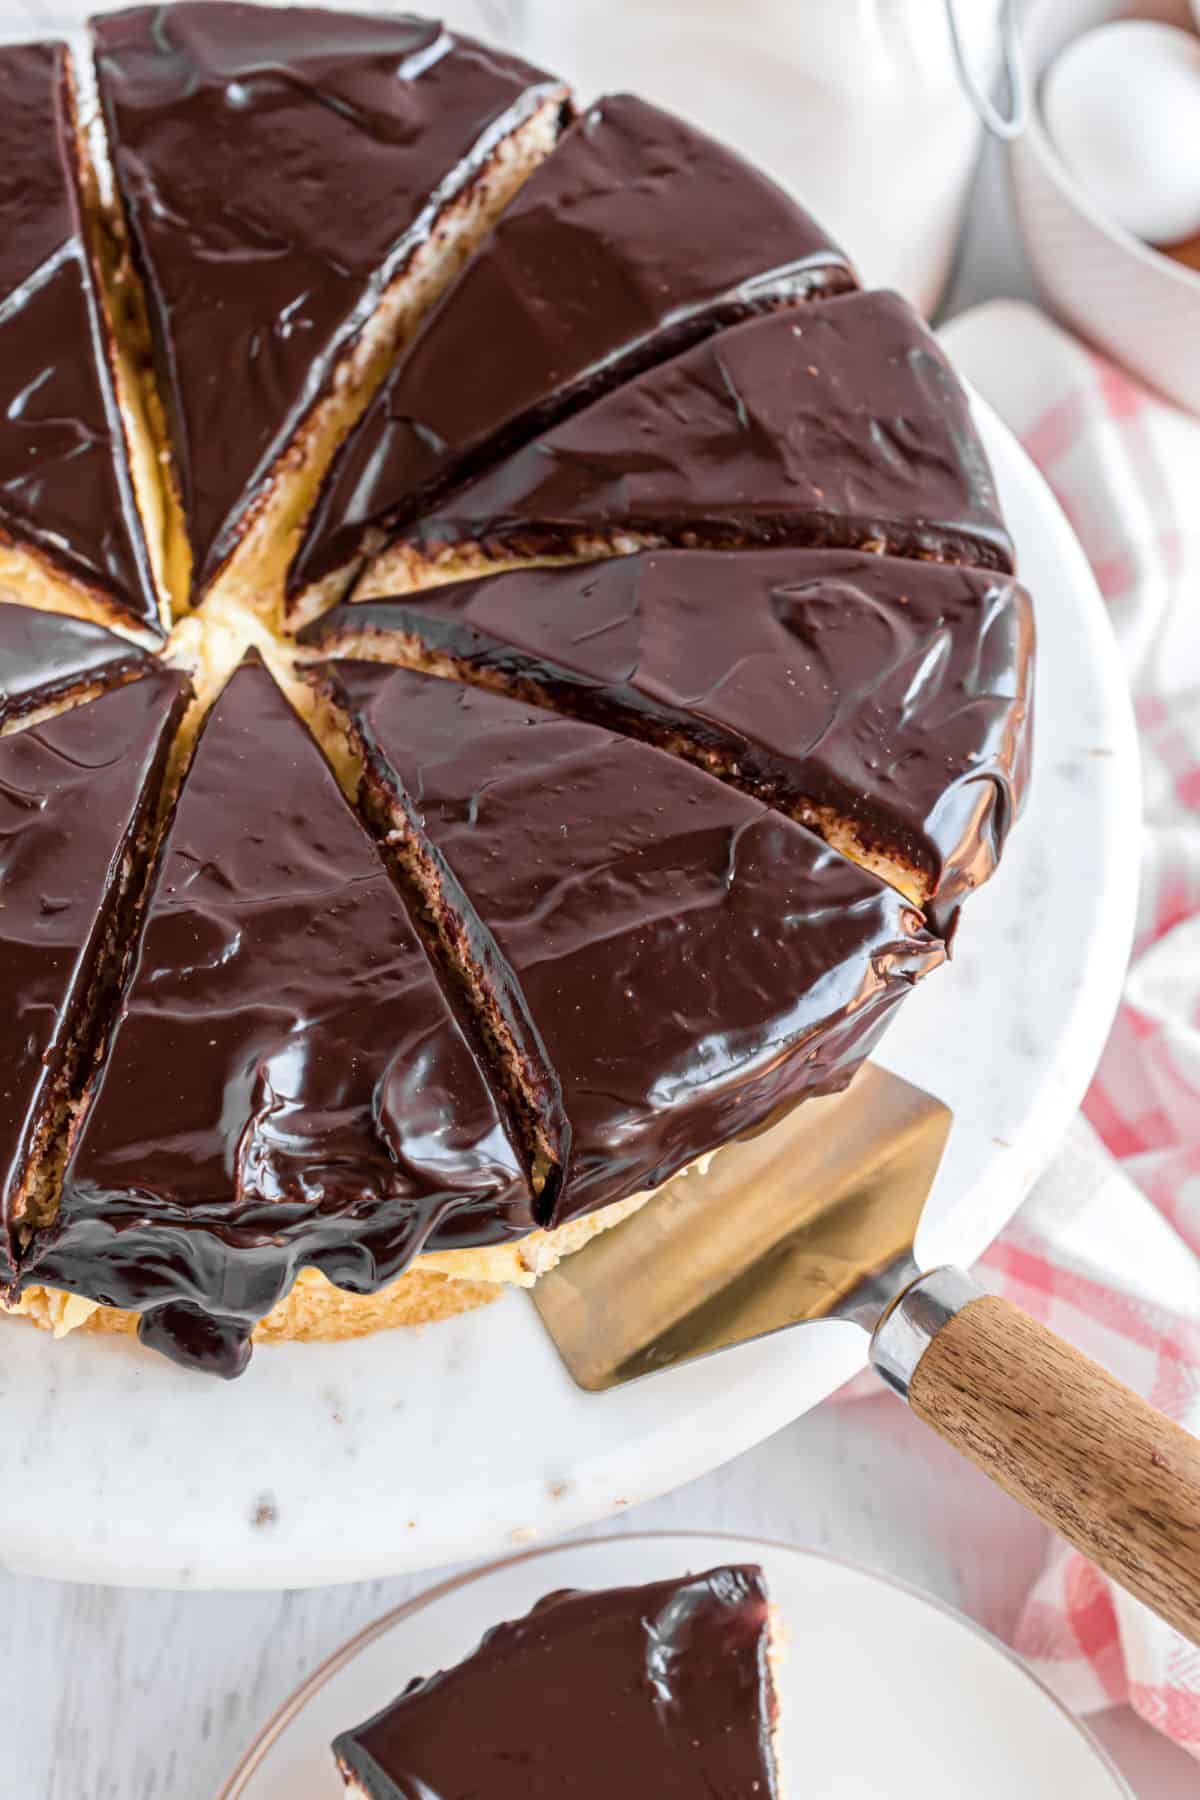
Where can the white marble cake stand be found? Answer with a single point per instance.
(408, 1450)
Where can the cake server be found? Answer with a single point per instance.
(816, 1218)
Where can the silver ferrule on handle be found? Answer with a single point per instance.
(913, 1320)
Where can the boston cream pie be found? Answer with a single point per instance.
(385, 985)
(668, 1685)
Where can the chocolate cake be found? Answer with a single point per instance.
(884, 703)
(70, 537)
(670, 1683)
(840, 423)
(47, 657)
(77, 800)
(362, 969)
(295, 186)
(589, 276)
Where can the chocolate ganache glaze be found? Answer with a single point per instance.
(673, 959)
(76, 793)
(591, 274)
(45, 656)
(277, 168)
(286, 1082)
(668, 1684)
(65, 491)
(836, 423)
(893, 694)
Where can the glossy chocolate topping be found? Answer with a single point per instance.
(679, 959)
(591, 275)
(74, 791)
(286, 1084)
(896, 693)
(667, 1685)
(837, 423)
(278, 166)
(64, 483)
(44, 656)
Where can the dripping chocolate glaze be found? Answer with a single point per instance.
(895, 692)
(837, 423)
(277, 167)
(64, 485)
(667, 1685)
(286, 1084)
(43, 656)
(73, 793)
(687, 959)
(591, 274)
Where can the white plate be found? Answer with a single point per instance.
(408, 1450)
(881, 1690)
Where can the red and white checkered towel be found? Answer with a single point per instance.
(1106, 1250)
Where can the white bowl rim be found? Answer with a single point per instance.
(1037, 138)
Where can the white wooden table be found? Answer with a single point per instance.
(114, 1695)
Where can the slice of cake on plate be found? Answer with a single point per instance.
(883, 702)
(70, 537)
(296, 185)
(588, 277)
(668, 1684)
(839, 423)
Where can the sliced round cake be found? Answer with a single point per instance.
(587, 672)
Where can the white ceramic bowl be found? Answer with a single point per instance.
(1139, 306)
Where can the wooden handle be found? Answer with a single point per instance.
(1077, 1447)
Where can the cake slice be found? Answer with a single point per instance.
(838, 423)
(70, 537)
(78, 795)
(297, 185)
(48, 658)
(661, 959)
(590, 275)
(286, 1083)
(882, 702)
(669, 1684)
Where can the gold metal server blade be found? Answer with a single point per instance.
(813, 1218)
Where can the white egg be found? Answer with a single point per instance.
(1122, 105)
